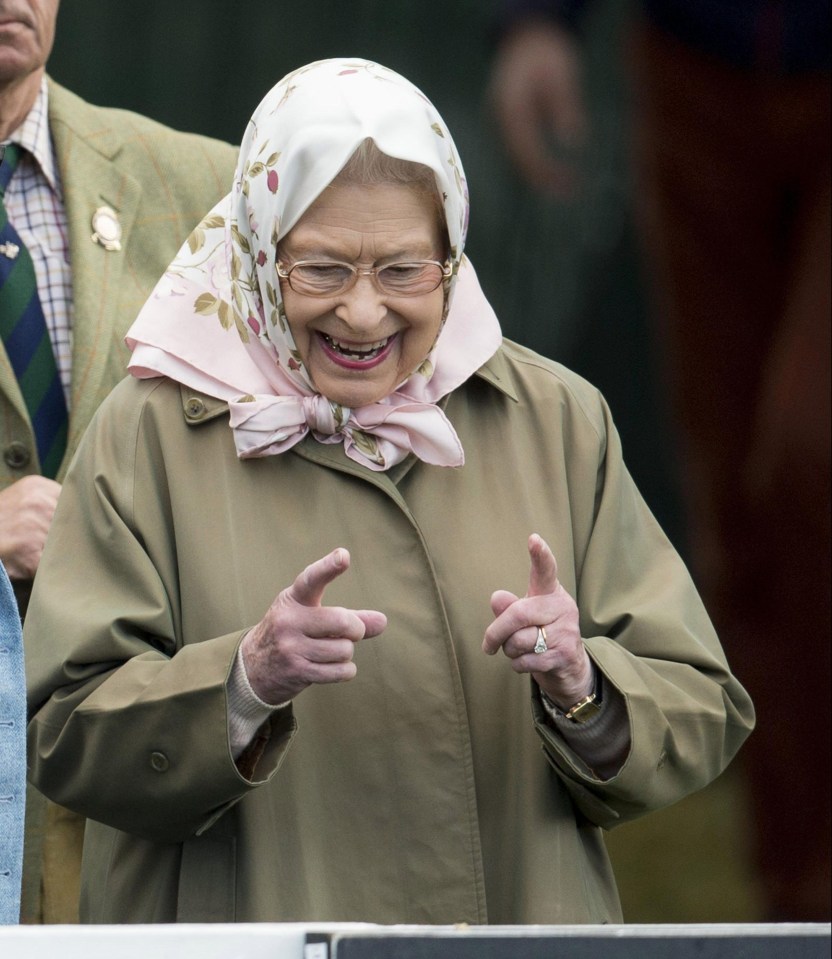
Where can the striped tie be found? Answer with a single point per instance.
(26, 338)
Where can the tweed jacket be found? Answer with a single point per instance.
(419, 791)
(160, 183)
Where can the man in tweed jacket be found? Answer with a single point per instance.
(131, 191)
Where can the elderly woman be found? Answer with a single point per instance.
(258, 655)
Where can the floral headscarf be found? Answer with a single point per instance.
(216, 322)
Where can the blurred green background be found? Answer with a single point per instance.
(564, 277)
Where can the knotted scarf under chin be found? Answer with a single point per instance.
(377, 436)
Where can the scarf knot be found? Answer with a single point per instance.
(319, 416)
(377, 436)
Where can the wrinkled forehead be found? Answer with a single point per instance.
(309, 125)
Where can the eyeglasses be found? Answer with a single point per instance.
(329, 278)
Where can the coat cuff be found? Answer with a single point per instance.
(246, 711)
(603, 743)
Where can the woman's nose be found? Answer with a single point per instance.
(362, 307)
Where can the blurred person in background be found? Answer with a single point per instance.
(732, 151)
(94, 203)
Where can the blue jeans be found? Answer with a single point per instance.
(12, 752)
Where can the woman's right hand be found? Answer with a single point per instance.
(300, 642)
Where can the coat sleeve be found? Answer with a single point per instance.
(127, 726)
(646, 629)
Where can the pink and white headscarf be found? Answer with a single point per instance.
(216, 323)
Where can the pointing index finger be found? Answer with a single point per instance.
(543, 575)
(309, 585)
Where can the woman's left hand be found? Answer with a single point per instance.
(563, 671)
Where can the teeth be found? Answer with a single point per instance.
(353, 350)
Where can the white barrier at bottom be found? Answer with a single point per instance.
(368, 941)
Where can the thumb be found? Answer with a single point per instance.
(309, 585)
(543, 576)
(374, 622)
(501, 599)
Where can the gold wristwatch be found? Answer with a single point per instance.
(584, 709)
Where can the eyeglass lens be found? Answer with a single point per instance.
(403, 279)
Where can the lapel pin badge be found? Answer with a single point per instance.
(106, 229)
(9, 250)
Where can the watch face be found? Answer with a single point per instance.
(584, 710)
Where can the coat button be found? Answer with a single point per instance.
(17, 455)
(194, 408)
(159, 762)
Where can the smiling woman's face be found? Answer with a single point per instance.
(358, 346)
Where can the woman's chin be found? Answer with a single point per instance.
(363, 392)
(351, 386)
